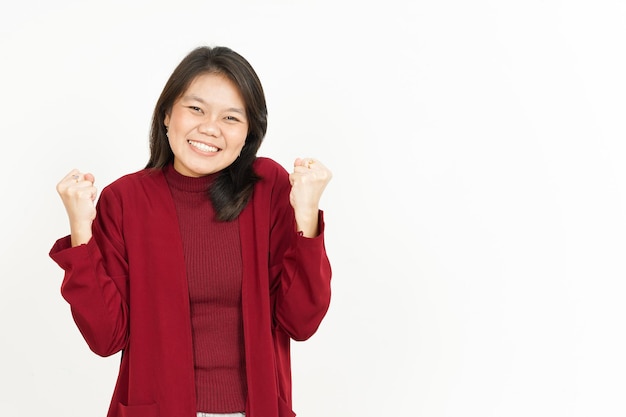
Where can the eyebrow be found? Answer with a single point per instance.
(199, 99)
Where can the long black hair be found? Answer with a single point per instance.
(232, 189)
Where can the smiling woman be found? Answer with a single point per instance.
(221, 252)
(207, 127)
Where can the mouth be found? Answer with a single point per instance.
(203, 146)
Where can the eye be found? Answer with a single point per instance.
(196, 109)
(232, 118)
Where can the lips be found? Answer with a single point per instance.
(203, 146)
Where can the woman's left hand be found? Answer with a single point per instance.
(308, 181)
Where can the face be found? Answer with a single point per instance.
(207, 126)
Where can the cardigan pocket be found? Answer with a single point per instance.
(284, 410)
(148, 410)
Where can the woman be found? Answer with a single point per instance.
(201, 267)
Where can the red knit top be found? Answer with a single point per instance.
(213, 261)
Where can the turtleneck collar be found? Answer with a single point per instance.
(188, 184)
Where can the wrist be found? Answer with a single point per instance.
(80, 233)
(307, 226)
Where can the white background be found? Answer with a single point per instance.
(476, 219)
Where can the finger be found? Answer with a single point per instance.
(302, 165)
(89, 177)
(84, 180)
(70, 176)
(76, 177)
(66, 180)
(304, 162)
(72, 172)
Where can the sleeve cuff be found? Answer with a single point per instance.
(317, 240)
(65, 255)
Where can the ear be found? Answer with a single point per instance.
(166, 122)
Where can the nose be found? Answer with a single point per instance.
(209, 127)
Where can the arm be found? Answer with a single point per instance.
(302, 287)
(303, 298)
(95, 281)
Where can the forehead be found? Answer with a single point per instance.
(214, 85)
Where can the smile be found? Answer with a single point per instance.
(203, 146)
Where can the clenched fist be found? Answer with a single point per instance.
(308, 181)
(79, 194)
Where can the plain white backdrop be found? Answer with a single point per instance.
(476, 219)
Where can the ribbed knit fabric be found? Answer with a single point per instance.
(214, 272)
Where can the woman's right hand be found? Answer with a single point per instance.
(79, 195)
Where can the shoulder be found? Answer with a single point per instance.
(274, 184)
(131, 183)
(269, 170)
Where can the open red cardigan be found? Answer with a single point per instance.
(127, 290)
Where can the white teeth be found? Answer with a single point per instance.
(202, 146)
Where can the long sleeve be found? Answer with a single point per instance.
(95, 281)
(300, 271)
(303, 297)
(135, 258)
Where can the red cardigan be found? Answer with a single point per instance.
(128, 291)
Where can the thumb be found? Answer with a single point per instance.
(89, 177)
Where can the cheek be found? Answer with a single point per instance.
(239, 139)
(176, 145)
